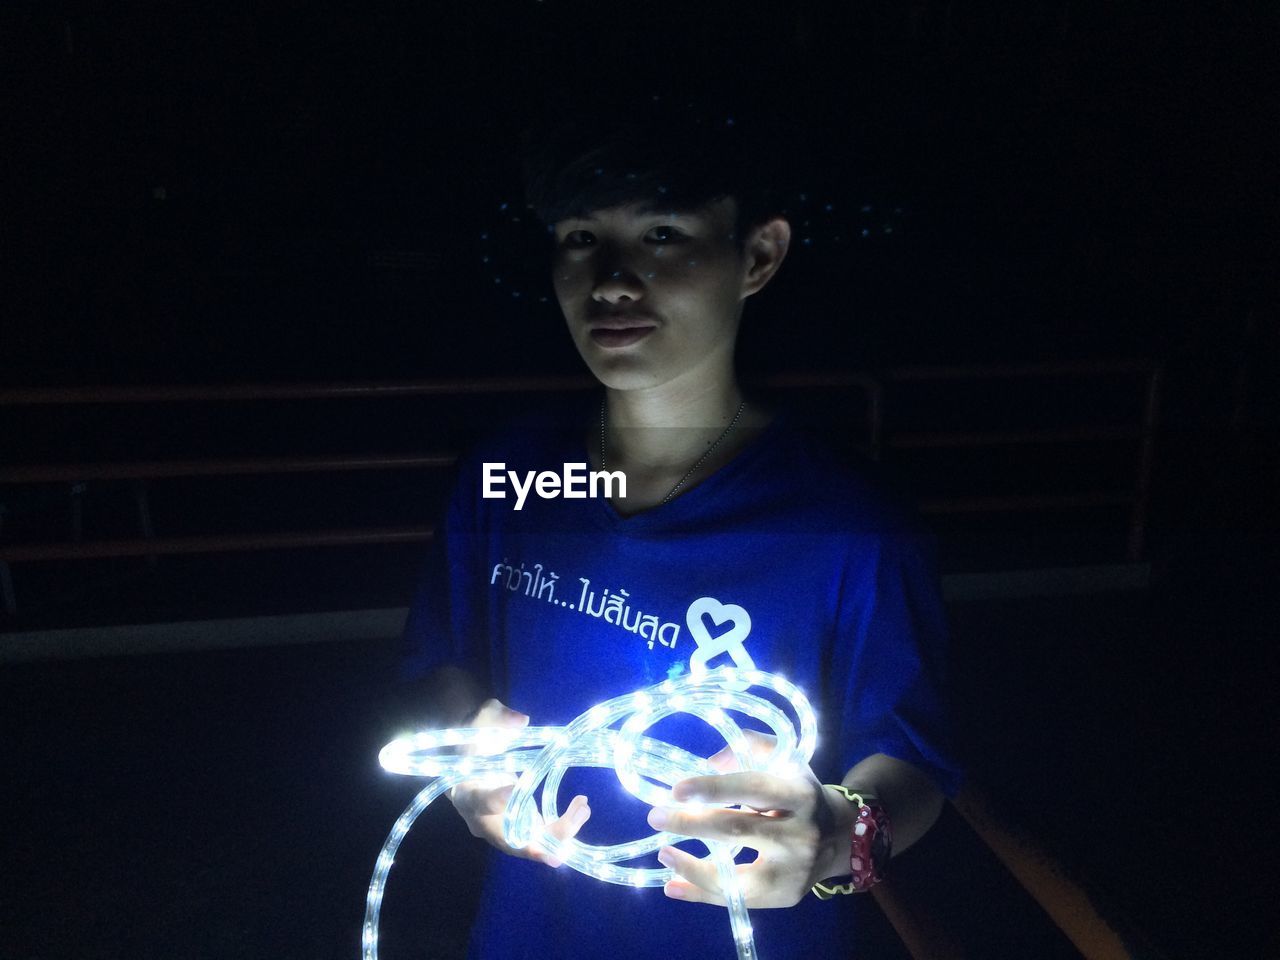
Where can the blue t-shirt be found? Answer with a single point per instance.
(782, 553)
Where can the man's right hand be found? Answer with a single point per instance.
(481, 804)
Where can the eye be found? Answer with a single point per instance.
(664, 234)
(578, 239)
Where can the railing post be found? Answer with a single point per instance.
(920, 934)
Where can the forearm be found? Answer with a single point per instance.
(912, 800)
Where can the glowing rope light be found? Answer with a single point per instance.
(542, 755)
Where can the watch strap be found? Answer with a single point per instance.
(870, 846)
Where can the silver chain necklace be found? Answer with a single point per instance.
(701, 460)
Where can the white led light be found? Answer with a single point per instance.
(638, 760)
(490, 741)
(597, 715)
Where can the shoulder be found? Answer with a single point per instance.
(835, 490)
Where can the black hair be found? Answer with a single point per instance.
(658, 152)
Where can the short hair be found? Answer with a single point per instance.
(660, 153)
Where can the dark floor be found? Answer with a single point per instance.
(229, 804)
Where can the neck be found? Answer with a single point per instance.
(667, 427)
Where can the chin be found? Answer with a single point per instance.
(621, 373)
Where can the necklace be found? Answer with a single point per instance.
(701, 460)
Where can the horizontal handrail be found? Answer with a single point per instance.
(1001, 438)
(167, 469)
(1047, 501)
(872, 383)
(982, 371)
(231, 543)
(1068, 904)
(52, 396)
(101, 549)
(818, 381)
(29, 396)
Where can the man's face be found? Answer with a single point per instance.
(652, 296)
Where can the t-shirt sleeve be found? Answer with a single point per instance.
(890, 659)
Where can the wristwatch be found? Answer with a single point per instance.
(870, 846)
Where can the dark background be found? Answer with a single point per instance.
(214, 192)
(277, 192)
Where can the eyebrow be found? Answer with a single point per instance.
(648, 208)
(654, 206)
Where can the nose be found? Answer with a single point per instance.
(614, 281)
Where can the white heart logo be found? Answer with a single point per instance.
(729, 642)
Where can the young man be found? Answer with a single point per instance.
(738, 540)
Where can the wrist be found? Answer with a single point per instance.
(842, 817)
(867, 845)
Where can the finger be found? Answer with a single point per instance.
(567, 825)
(726, 761)
(563, 828)
(540, 854)
(495, 713)
(696, 878)
(760, 745)
(691, 893)
(735, 827)
(698, 881)
(763, 791)
(490, 829)
(480, 799)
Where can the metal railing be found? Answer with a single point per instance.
(1070, 907)
(1149, 373)
(870, 436)
(76, 475)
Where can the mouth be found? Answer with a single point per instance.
(620, 331)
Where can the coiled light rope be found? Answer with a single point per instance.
(535, 756)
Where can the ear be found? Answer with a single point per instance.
(765, 249)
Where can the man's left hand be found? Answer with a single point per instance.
(799, 829)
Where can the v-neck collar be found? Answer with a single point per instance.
(691, 501)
